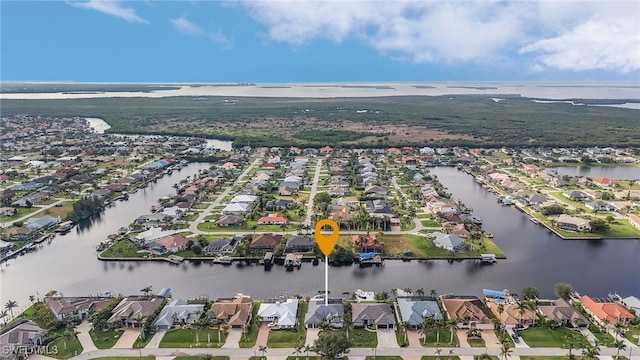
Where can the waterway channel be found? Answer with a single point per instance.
(535, 258)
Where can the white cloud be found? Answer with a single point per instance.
(601, 35)
(187, 27)
(112, 7)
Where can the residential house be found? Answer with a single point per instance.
(562, 313)
(19, 234)
(44, 222)
(75, 308)
(378, 315)
(169, 243)
(273, 218)
(634, 220)
(512, 314)
(318, 312)
(133, 308)
(284, 314)
(21, 337)
(238, 208)
(279, 204)
(449, 242)
(572, 223)
(323, 150)
(414, 312)
(223, 246)
(230, 220)
(287, 188)
(576, 195)
(365, 245)
(606, 311)
(603, 182)
(631, 303)
(234, 312)
(600, 206)
(265, 242)
(376, 190)
(299, 244)
(178, 311)
(469, 311)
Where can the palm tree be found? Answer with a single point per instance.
(10, 305)
(306, 350)
(521, 307)
(146, 290)
(297, 351)
(433, 293)
(404, 326)
(619, 345)
(263, 350)
(4, 314)
(438, 352)
(140, 319)
(425, 327)
(591, 352)
(452, 324)
(32, 298)
(408, 291)
(420, 292)
(438, 324)
(618, 326)
(505, 350)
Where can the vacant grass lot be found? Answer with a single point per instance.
(363, 339)
(182, 338)
(123, 248)
(545, 337)
(105, 339)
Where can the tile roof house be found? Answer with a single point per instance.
(266, 242)
(469, 311)
(132, 307)
(23, 336)
(77, 308)
(235, 312)
(178, 311)
(282, 313)
(415, 311)
(378, 315)
(230, 220)
(511, 314)
(603, 181)
(318, 312)
(606, 311)
(572, 223)
(273, 218)
(170, 243)
(563, 313)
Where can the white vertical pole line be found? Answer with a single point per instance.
(326, 280)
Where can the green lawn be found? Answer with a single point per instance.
(633, 335)
(603, 337)
(123, 248)
(290, 338)
(21, 211)
(139, 343)
(363, 339)
(545, 337)
(182, 338)
(476, 342)
(382, 357)
(200, 358)
(545, 358)
(105, 339)
(430, 223)
(445, 336)
(66, 348)
(126, 358)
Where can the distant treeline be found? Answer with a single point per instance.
(514, 121)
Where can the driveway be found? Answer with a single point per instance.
(127, 339)
(233, 339)
(462, 338)
(84, 337)
(312, 335)
(263, 334)
(387, 338)
(490, 338)
(414, 338)
(154, 343)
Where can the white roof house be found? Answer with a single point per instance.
(152, 234)
(178, 311)
(449, 242)
(283, 313)
(237, 208)
(244, 199)
(632, 303)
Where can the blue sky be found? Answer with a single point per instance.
(312, 41)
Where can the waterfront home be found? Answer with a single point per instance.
(170, 243)
(571, 223)
(631, 303)
(132, 309)
(606, 312)
(283, 314)
(265, 242)
(603, 182)
(223, 246)
(299, 244)
(469, 311)
(634, 220)
(562, 313)
(44, 222)
(379, 316)
(273, 218)
(178, 312)
(75, 308)
(512, 314)
(318, 312)
(20, 338)
(414, 311)
(234, 312)
(148, 236)
(365, 245)
(19, 234)
(448, 242)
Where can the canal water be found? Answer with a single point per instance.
(535, 258)
(612, 172)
